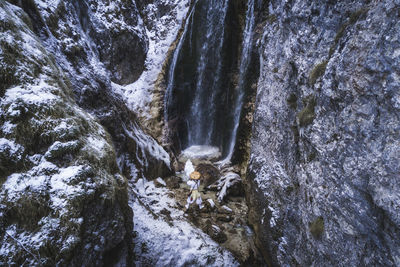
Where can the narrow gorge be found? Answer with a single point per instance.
(290, 110)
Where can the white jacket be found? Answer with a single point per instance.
(194, 184)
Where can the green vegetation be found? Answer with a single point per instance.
(317, 227)
(318, 71)
(292, 101)
(8, 64)
(272, 18)
(307, 114)
(353, 18)
(311, 156)
(144, 247)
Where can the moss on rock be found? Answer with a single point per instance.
(318, 71)
(292, 101)
(353, 18)
(307, 114)
(317, 227)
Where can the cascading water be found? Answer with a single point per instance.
(202, 103)
(244, 66)
(201, 118)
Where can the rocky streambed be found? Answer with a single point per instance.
(221, 223)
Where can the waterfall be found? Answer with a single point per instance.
(244, 64)
(201, 119)
(168, 94)
(201, 100)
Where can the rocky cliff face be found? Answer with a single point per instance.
(96, 44)
(67, 140)
(322, 181)
(63, 200)
(324, 167)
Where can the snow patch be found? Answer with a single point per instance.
(33, 95)
(10, 148)
(161, 34)
(97, 144)
(47, 7)
(227, 181)
(200, 152)
(8, 127)
(175, 242)
(61, 190)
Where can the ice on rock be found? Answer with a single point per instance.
(162, 32)
(212, 204)
(200, 153)
(188, 169)
(226, 182)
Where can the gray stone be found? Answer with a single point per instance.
(323, 178)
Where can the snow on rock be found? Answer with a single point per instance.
(161, 29)
(165, 238)
(200, 153)
(10, 149)
(89, 40)
(62, 198)
(35, 95)
(227, 182)
(323, 174)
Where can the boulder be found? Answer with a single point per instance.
(209, 174)
(215, 232)
(173, 182)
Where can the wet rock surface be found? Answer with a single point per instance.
(323, 176)
(166, 236)
(224, 221)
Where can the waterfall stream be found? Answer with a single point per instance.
(202, 101)
(244, 64)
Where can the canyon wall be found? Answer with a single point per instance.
(323, 177)
(68, 142)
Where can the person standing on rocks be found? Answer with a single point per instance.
(194, 195)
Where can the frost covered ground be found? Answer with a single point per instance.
(161, 31)
(163, 235)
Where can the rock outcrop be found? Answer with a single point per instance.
(67, 140)
(82, 84)
(97, 43)
(323, 181)
(63, 200)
